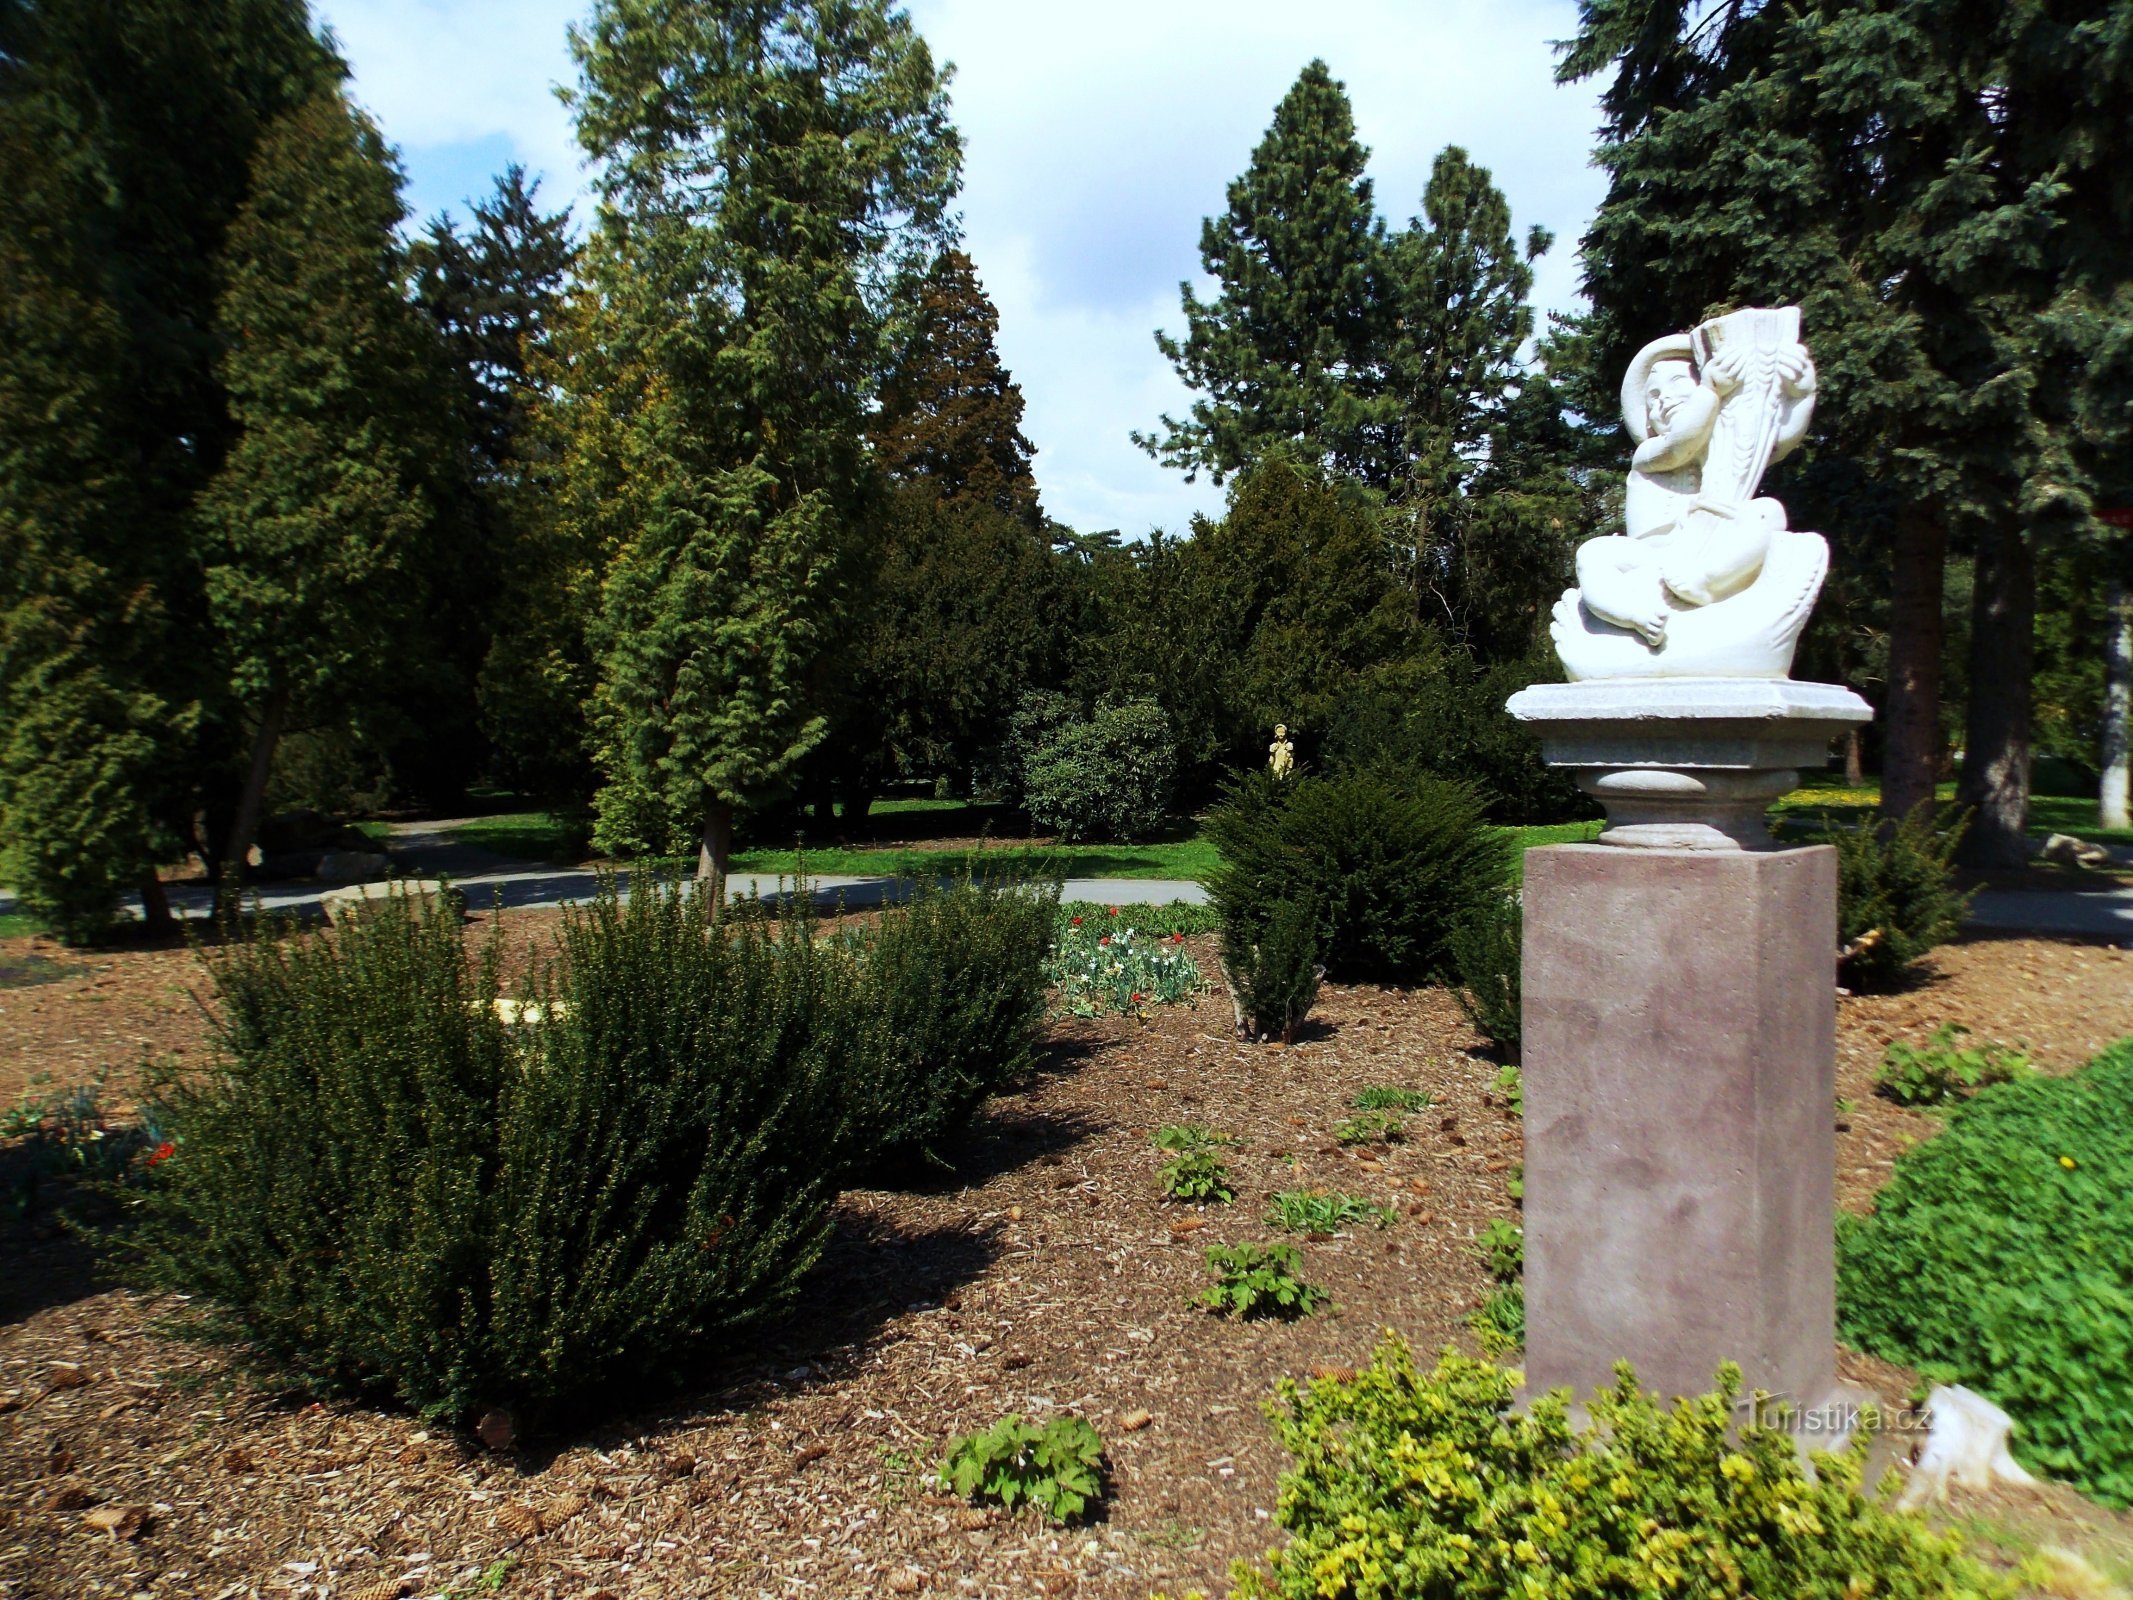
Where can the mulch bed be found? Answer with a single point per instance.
(1048, 1275)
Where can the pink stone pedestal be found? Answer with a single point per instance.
(1679, 1060)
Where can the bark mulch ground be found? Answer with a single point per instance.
(1049, 1275)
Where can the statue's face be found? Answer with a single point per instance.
(1670, 384)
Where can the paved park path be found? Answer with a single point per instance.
(425, 849)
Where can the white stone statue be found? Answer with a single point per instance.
(1706, 581)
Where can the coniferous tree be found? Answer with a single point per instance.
(1460, 287)
(951, 416)
(1292, 348)
(505, 590)
(310, 530)
(126, 133)
(775, 176)
(960, 614)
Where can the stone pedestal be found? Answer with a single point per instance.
(1680, 1048)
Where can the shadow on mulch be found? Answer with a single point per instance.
(871, 1273)
(44, 1262)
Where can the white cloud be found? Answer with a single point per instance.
(1099, 133)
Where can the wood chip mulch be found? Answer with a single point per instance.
(1048, 1276)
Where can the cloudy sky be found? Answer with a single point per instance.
(1098, 134)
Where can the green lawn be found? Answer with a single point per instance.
(1809, 809)
(15, 925)
(528, 835)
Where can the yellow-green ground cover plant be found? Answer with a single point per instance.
(2000, 1256)
(1412, 1485)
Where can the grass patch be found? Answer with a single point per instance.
(18, 925)
(528, 835)
(1315, 1211)
(1193, 860)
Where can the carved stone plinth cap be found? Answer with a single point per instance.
(1688, 763)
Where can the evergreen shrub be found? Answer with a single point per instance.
(2000, 1255)
(396, 1180)
(1273, 976)
(1408, 1483)
(1390, 867)
(1445, 718)
(1108, 776)
(1896, 895)
(1488, 955)
(951, 995)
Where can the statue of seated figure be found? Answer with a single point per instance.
(1706, 581)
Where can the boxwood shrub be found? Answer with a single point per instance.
(1407, 1483)
(2000, 1256)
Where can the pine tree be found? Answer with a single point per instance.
(776, 178)
(1292, 348)
(1460, 288)
(126, 133)
(312, 524)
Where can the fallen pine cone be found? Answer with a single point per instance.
(383, 1589)
(1334, 1374)
(238, 1460)
(1186, 1225)
(561, 1510)
(69, 1497)
(1015, 1360)
(809, 1453)
(521, 1522)
(1134, 1421)
(67, 1375)
(970, 1519)
(908, 1581)
(121, 1522)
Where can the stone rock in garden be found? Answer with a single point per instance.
(342, 904)
(2063, 849)
(1966, 1445)
(352, 866)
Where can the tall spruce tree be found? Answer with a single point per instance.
(311, 527)
(1292, 347)
(126, 133)
(1925, 178)
(775, 177)
(504, 593)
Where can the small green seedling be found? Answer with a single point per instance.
(1944, 1070)
(1502, 1248)
(1198, 1177)
(1386, 1098)
(1259, 1280)
(1189, 1136)
(1372, 1127)
(1057, 1468)
(1511, 1084)
(1315, 1211)
(1500, 1321)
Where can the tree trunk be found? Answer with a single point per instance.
(714, 852)
(1911, 736)
(2117, 704)
(1995, 781)
(155, 905)
(1854, 766)
(245, 827)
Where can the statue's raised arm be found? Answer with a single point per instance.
(1705, 580)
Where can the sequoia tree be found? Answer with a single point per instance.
(774, 178)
